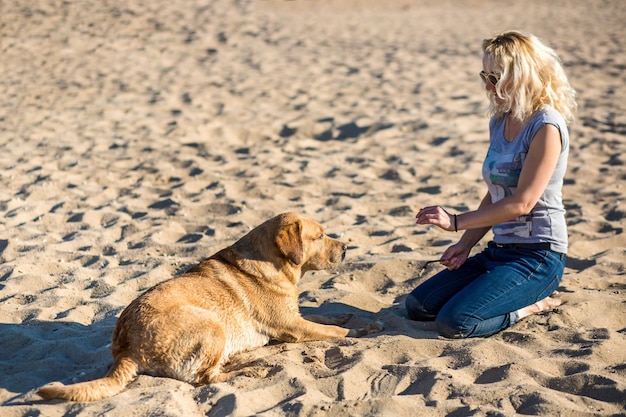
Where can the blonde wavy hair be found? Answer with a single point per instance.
(531, 76)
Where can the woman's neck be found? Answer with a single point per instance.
(512, 127)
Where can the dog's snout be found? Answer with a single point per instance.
(344, 249)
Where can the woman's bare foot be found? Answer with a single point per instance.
(547, 303)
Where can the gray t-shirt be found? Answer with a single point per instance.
(501, 171)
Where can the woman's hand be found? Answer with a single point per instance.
(436, 215)
(455, 256)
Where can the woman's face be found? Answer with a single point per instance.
(489, 72)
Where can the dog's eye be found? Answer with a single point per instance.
(320, 236)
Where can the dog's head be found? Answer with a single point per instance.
(288, 242)
(303, 242)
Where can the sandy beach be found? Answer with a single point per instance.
(139, 137)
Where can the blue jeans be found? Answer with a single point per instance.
(482, 296)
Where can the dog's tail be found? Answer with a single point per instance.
(123, 371)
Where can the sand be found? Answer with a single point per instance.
(138, 137)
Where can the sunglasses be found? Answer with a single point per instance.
(490, 77)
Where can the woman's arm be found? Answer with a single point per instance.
(457, 254)
(539, 165)
(472, 236)
(538, 168)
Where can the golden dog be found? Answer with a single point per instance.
(240, 298)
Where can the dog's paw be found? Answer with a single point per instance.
(370, 328)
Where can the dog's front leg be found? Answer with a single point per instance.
(302, 330)
(335, 320)
(341, 319)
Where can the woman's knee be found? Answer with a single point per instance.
(416, 311)
(454, 325)
(450, 328)
(449, 324)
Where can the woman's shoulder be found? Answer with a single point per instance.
(549, 115)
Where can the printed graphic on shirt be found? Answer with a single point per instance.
(521, 226)
(503, 177)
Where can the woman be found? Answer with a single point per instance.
(531, 101)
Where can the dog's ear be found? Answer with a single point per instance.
(289, 242)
